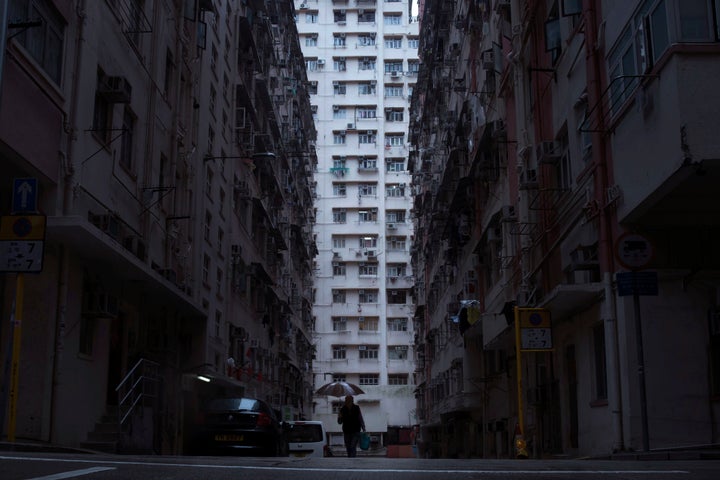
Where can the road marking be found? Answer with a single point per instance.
(73, 473)
(539, 471)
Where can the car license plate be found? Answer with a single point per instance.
(228, 438)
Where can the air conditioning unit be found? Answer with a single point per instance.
(395, 74)
(303, 6)
(336, 254)
(342, 35)
(313, 83)
(351, 126)
(370, 132)
(320, 61)
(361, 319)
(362, 347)
(336, 292)
(547, 152)
(391, 226)
(336, 108)
(115, 89)
(235, 249)
(361, 292)
(370, 253)
(373, 82)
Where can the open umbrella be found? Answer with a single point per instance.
(339, 389)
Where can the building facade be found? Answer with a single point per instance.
(564, 162)
(174, 213)
(362, 64)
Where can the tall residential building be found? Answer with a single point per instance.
(361, 59)
(166, 249)
(565, 165)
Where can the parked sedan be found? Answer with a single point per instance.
(241, 426)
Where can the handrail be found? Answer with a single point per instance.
(132, 390)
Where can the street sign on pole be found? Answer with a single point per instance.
(22, 243)
(640, 283)
(25, 192)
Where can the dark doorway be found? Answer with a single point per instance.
(571, 366)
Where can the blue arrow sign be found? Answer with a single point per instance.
(25, 192)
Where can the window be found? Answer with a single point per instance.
(368, 269)
(206, 226)
(366, 64)
(311, 65)
(340, 65)
(368, 163)
(311, 17)
(339, 215)
(367, 137)
(393, 90)
(365, 216)
(169, 74)
(393, 42)
(338, 296)
(366, 112)
(394, 140)
(339, 40)
(396, 243)
(339, 324)
(598, 337)
(339, 138)
(369, 379)
(696, 21)
(367, 190)
(413, 42)
(395, 216)
(208, 181)
(219, 275)
(397, 379)
(366, 40)
(397, 324)
(311, 41)
(338, 269)
(367, 324)
(339, 16)
(339, 189)
(366, 89)
(397, 352)
(44, 43)
(339, 88)
(368, 296)
(395, 165)
(393, 19)
(393, 66)
(126, 142)
(368, 352)
(397, 297)
(394, 115)
(366, 17)
(369, 241)
(395, 269)
(396, 191)
(338, 352)
(413, 67)
(338, 242)
(339, 112)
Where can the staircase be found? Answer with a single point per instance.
(129, 426)
(106, 434)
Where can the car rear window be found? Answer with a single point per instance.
(306, 432)
(234, 404)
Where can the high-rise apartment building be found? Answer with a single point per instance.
(361, 59)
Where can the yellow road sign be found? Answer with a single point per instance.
(22, 227)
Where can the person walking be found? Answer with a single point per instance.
(351, 419)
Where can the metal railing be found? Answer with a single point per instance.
(139, 388)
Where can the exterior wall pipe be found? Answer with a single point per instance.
(602, 176)
(68, 187)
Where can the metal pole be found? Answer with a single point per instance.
(15, 368)
(518, 363)
(641, 366)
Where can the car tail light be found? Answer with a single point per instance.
(263, 420)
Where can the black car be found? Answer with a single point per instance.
(241, 426)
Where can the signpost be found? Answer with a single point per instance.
(533, 332)
(22, 238)
(635, 252)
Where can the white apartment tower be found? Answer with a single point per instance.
(362, 63)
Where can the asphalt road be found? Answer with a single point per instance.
(57, 466)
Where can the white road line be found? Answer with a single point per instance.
(356, 469)
(73, 473)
